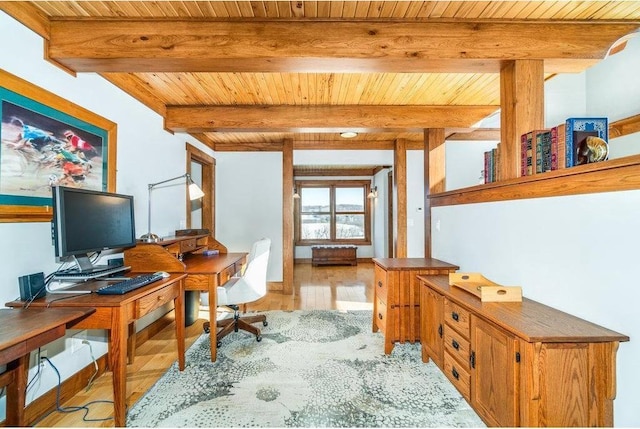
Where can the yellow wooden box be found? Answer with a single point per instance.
(484, 288)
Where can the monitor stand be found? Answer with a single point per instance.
(86, 266)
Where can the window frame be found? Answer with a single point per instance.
(332, 185)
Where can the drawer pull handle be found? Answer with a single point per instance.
(455, 344)
(379, 284)
(472, 359)
(380, 316)
(440, 330)
(160, 298)
(455, 316)
(455, 374)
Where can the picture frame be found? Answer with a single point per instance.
(46, 140)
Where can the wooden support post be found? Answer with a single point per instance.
(434, 177)
(287, 217)
(522, 102)
(400, 187)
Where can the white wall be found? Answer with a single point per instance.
(575, 253)
(249, 203)
(146, 153)
(464, 162)
(381, 215)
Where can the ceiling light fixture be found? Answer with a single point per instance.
(348, 134)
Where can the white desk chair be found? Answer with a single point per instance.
(249, 287)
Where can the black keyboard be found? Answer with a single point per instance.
(125, 286)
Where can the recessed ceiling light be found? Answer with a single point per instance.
(348, 134)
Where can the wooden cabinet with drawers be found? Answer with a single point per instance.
(396, 303)
(520, 363)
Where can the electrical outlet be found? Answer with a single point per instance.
(43, 354)
(79, 341)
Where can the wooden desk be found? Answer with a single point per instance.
(22, 331)
(206, 273)
(183, 255)
(115, 313)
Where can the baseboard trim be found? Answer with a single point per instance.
(275, 286)
(308, 260)
(46, 403)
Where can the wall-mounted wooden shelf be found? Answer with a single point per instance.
(616, 175)
(607, 176)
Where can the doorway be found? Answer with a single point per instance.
(201, 168)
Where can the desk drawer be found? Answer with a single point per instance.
(381, 287)
(156, 299)
(457, 346)
(458, 376)
(457, 317)
(187, 245)
(198, 281)
(226, 274)
(381, 315)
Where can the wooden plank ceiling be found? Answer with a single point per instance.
(246, 75)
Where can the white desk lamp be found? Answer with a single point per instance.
(194, 193)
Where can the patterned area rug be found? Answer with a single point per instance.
(311, 369)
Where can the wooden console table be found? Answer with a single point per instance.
(184, 255)
(115, 313)
(520, 363)
(22, 331)
(396, 301)
(334, 255)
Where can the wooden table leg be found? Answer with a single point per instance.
(16, 391)
(213, 315)
(178, 303)
(118, 363)
(131, 343)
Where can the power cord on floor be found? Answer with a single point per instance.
(95, 365)
(73, 409)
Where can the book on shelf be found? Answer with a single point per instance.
(558, 154)
(532, 151)
(600, 125)
(523, 155)
(546, 153)
(492, 165)
(543, 152)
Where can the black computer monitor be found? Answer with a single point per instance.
(86, 221)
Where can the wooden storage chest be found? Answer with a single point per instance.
(333, 255)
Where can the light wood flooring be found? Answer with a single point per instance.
(320, 288)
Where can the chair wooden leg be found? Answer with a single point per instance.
(248, 327)
(254, 319)
(227, 328)
(235, 323)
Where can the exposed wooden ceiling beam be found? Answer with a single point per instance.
(90, 45)
(28, 15)
(477, 134)
(354, 170)
(321, 118)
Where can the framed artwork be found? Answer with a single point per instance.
(45, 141)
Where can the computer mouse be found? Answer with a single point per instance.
(164, 274)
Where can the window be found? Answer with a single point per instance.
(332, 212)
